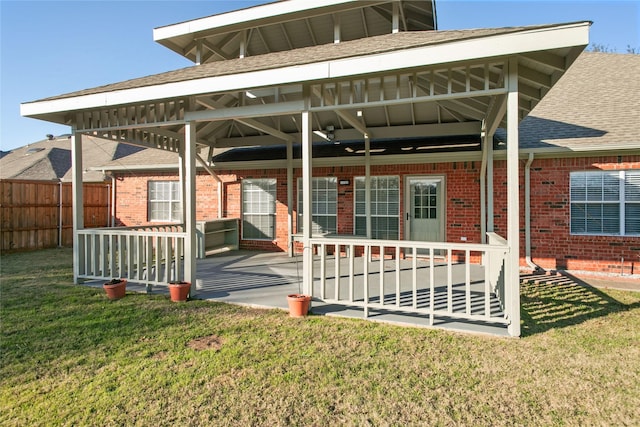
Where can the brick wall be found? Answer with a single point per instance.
(552, 245)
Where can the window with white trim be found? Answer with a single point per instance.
(385, 207)
(165, 204)
(605, 202)
(258, 209)
(324, 205)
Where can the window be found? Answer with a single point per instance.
(164, 201)
(258, 209)
(605, 203)
(324, 202)
(385, 207)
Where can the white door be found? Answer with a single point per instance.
(424, 209)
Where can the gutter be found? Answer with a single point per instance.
(527, 214)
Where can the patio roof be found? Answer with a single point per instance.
(405, 66)
(282, 26)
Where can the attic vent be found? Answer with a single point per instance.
(34, 150)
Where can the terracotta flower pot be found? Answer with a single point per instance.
(298, 304)
(116, 288)
(179, 291)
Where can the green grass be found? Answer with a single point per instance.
(71, 357)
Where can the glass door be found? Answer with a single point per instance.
(424, 209)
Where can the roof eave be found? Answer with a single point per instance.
(245, 18)
(574, 36)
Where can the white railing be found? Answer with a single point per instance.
(432, 278)
(135, 253)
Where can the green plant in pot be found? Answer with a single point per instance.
(115, 288)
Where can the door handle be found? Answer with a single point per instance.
(407, 216)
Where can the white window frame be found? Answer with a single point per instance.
(624, 200)
(259, 199)
(320, 196)
(374, 201)
(152, 214)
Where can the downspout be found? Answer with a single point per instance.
(113, 200)
(527, 214)
(60, 214)
(109, 205)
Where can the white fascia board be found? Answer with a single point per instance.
(465, 50)
(484, 47)
(125, 168)
(242, 17)
(255, 79)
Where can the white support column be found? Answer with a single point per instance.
(189, 200)
(243, 44)
(198, 51)
(307, 172)
(483, 188)
(77, 201)
(367, 183)
(490, 218)
(395, 18)
(512, 274)
(290, 195)
(336, 29)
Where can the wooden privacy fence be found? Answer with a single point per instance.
(39, 214)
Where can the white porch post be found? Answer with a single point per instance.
(367, 183)
(490, 215)
(512, 274)
(189, 200)
(307, 172)
(77, 202)
(290, 195)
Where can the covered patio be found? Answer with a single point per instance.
(396, 86)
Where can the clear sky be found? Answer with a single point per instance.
(53, 47)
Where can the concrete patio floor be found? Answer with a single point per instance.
(264, 279)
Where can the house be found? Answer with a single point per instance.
(50, 159)
(563, 136)
(414, 114)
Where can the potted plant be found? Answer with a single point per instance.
(298, 304)
(179, 290)
(115, 288)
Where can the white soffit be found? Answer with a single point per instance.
(557, 37)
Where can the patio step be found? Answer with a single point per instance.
(547, 278)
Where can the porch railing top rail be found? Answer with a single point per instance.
(129, 232)
(474, 247)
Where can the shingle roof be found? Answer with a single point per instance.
(594, 106)
(50, 160)
(333, 51)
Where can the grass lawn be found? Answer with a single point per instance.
(71, 357)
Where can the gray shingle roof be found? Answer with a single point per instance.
(50, 160)
(353, 48)
(594, 106)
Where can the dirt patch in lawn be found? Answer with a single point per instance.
(212, 342)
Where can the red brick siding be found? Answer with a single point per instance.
(552, 245)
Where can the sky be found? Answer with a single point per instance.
(54, 47)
